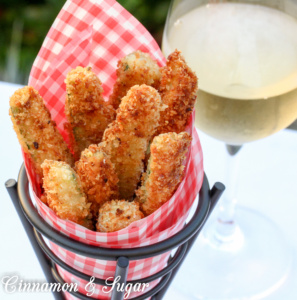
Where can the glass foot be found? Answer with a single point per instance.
(250, 266)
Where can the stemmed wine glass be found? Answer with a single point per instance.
(245, 56)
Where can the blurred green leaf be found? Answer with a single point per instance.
(37, 17)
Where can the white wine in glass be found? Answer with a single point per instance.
(246, 61)
(245, 56)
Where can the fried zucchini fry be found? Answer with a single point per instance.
(126, 139)
(64, 193)
(165, 170)
(178, 89)
(86, 111)
(134, 69)
(117, 214)
(98, 177)
(36, 132)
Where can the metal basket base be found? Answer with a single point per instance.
(36, 227)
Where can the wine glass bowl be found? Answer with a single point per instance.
(244, 53)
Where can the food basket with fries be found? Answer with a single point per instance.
(98, 35)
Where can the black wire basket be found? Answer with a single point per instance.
(36, 228)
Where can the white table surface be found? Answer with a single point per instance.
(267, 183)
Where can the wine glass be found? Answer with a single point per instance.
(245, 56)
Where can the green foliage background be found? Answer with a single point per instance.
(25, 23)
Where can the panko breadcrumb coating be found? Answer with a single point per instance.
(64, 193)
(98, 177)
(134, 69)
(86, 111)
(36, 132)
(165, 170)
(178, 89)
(126, 139)
(117, 214)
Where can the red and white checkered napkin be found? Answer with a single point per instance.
(97, 34)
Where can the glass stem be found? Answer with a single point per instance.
(225, 225)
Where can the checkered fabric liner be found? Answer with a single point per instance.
(153, 265)
(98, 33)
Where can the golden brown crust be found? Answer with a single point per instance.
(36, 132)
(134, 69)
(98, 177)
(64, 193)
(86, 111)
(126, 139)
(178, 90)
(117, 214)
(43, 199)
(165, 170)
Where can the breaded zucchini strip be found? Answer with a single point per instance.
(98, 177)
(36, 132)
(134, 69)
(117, 214)
(86, 111)
(128, 136)
(64, 193)
(165, 170)
(178, 89)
